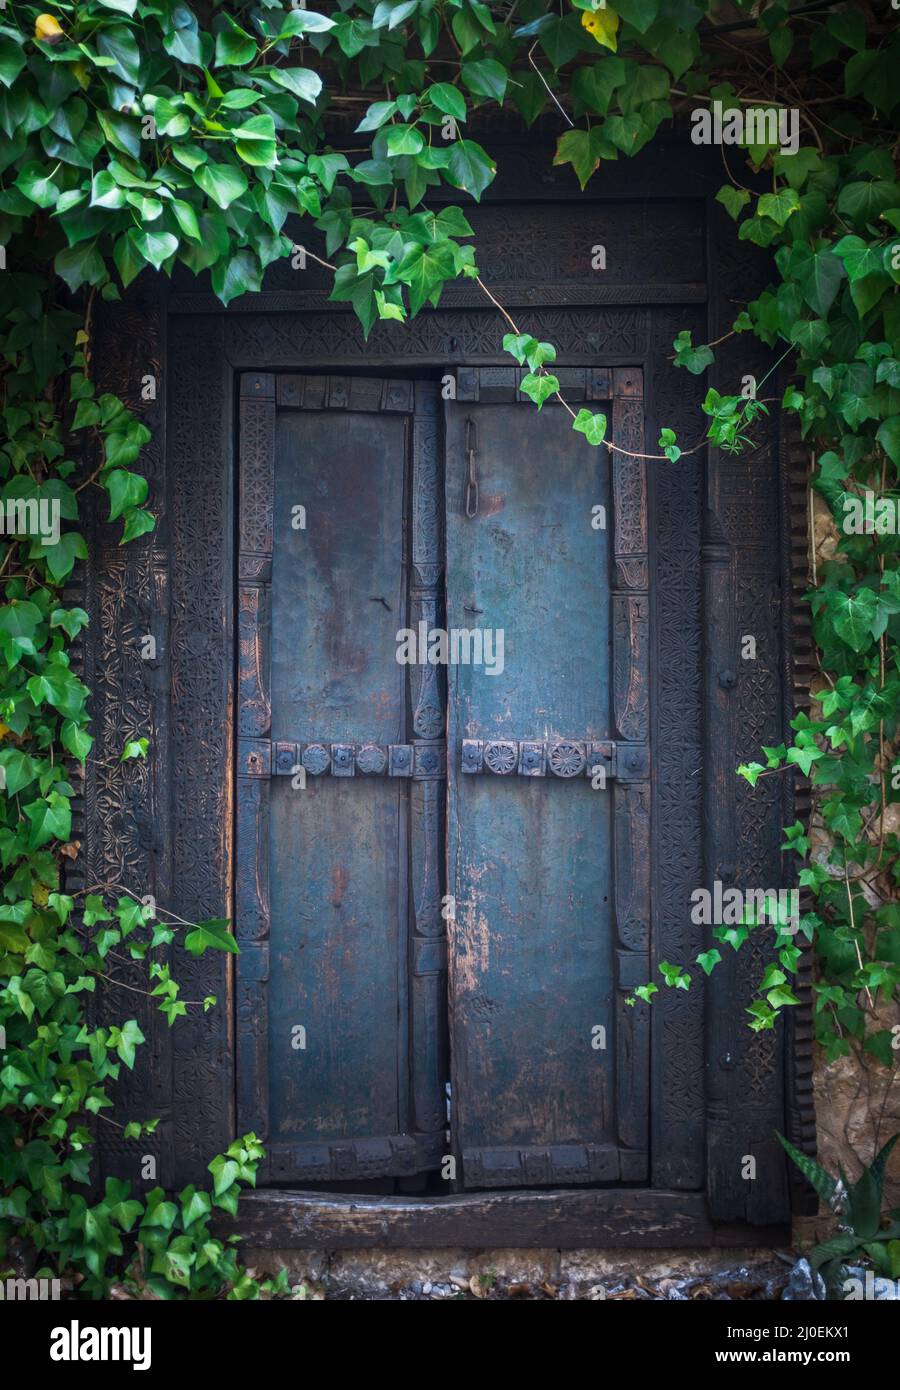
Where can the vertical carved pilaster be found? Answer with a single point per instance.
(743, 710)
(126, 838)
(631, 713)
(428, 945)
(252, 911)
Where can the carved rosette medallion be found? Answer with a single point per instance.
(501, 757)
(566, 759)
(371, 758)
(315, 758)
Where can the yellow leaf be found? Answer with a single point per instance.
(47, 29)
(602, 25)
(40, 894)
(4, 730)
(81, 71)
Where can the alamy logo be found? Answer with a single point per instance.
(77, 1343)
(19, 1290)
(460, 646)
(31, 516)
(757, 125)
(870, 515)
(734, 907)
(871, 1287)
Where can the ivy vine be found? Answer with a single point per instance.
(140, 135)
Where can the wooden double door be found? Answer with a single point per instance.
(444, 776)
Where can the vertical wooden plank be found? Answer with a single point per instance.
(339, 841)
(677, 1108)
(632, 794)
(744, 695)
(123, 818)
(256, 450)
(427, 943)
(201, 657)
(530, 856)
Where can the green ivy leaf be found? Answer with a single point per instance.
(539, 387)
(425, 269)
(447, 99)
(223, 183)
(853, 617)
(36, 182)
(778, 206)
(592, 426)
(733, 200)
(212, 934)
(470, 167)
(695, 359)
(888, 436)
(485, 78)
(240, 273)
(235, 48)
(134, 748)
(301, 82)
(156, 247)
(50, 818)
(708, 960)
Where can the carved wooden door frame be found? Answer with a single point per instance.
(719, 565)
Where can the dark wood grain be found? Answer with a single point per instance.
(595, 1219)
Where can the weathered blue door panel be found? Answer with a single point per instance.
(342, 988)
(356, 815)
(531, 956)
(337, 869)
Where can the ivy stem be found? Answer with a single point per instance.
(853, 929)
(563, 112)
(148, 994)
(8, 557)
(318, 260)
(120, 888)
(565, 404)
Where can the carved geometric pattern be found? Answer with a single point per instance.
(501, 756)
(418, 760)
(544, 258)
(544, 1164)
(746, 1102)
(122, 820)
(566, 759)
(631, 629)
(315, 758)
(399, 760)
(284, 340)
(199, 439)
(257, 454)
(677, 1103)
(628, 762)
(371, 758)
(342, 760)
(531, 759)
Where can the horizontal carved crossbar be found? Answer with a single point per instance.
(422, 761)
(558, 757)
(352, 1159)
(526, 1166)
